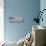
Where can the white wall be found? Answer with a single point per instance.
(1, 20)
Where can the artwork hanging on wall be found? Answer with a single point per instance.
(16, 19)
(39, 16)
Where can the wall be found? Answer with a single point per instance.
(43, 6)
(1, 20)
(25, 8)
